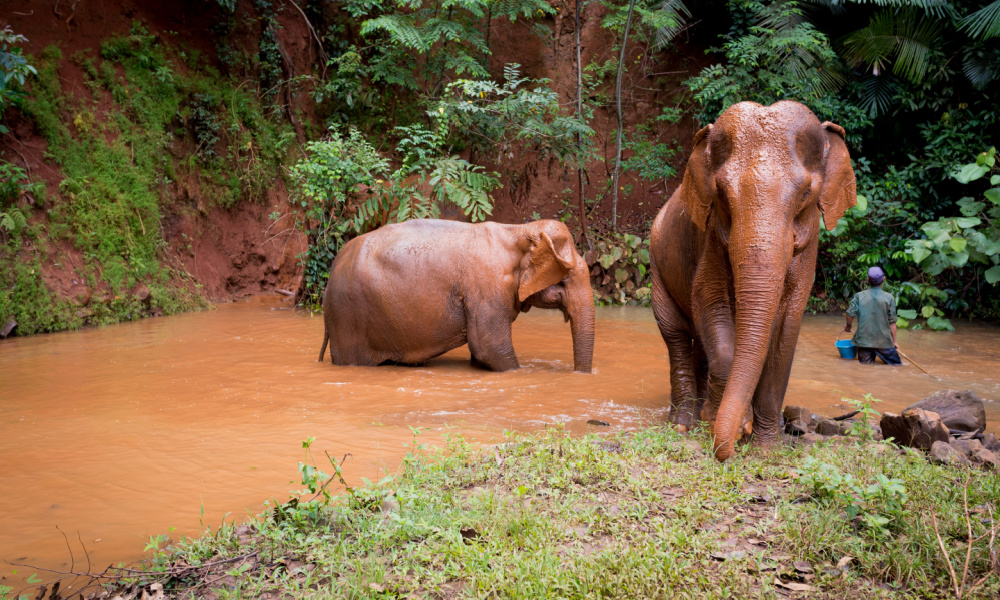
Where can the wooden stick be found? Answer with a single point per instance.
(913, 362)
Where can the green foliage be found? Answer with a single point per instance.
(969, 241)
(620, 269)
(491, 118)
(24, 297)
(780, 57)
(14, 68)
(879, 506)
(13, 218)
(862, 428)
(649, 158)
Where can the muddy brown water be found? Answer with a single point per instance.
(116, 434)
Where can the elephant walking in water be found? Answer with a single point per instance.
(408, 292)
(733, 260)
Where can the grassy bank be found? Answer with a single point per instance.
(645, 514)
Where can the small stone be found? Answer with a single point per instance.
(989, 459)
(389, 505)
(7, 328)
(831, 427)
(693, 446)
(797, 413)
(597, 423)
(966, 447)
(942, 453)
(811, 438)
(991, 443)
(796, 427)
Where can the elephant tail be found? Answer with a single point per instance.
(326, 338)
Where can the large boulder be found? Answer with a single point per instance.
(962, 411)
(916, 428)
(966, 447)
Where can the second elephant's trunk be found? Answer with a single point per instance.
(581, 316)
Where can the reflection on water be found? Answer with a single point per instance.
(124, 432)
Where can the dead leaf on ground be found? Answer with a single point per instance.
(802, 566)
(793, 586)
(843, 562)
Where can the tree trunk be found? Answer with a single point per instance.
(618, 100)
(579, 137)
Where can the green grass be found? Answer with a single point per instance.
(647, 514)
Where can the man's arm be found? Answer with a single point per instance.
(892, 328)
(850, 320)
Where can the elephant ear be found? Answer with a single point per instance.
(542, 266)
(698, 188)
(839, 191)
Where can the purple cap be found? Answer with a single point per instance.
(875, 275)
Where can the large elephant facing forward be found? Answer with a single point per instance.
(734, 255)
(408, 292)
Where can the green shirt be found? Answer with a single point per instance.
(875, 310)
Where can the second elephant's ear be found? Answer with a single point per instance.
(839, 191)
(698, 188)
(542, 266)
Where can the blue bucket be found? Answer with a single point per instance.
(847, 349)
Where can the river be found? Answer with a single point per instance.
(116, 434)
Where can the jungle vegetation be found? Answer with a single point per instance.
(410, 121)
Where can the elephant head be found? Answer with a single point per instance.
(758, 179)
(553, 275)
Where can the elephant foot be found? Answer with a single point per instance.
(685, 414)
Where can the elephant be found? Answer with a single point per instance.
(733, 258)
(411, 291)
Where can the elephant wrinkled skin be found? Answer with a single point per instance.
(408, 292)
(733, 260)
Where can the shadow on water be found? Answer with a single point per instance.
(120, 433)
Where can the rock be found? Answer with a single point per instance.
(797, 427)
(797, 413)
(990, 460)
(831, 427)
(943, 454)
(80, 294)
(7, 328)
(916, 428)
(811, 438)
(962, 411)
(966, 447)
(143, 293)
(991, 442)
(597, 423)
(389, 504)
(693, 446)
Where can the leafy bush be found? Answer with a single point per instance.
(14, 68)
(878, 506)
(619, 269)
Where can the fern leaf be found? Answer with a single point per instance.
(400, 28)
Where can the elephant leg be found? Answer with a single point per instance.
(676, 331)
(770, 392)
(719, 343)
(490, 342)
(701, 370)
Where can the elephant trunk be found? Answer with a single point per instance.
(581, 317)
(759, 277)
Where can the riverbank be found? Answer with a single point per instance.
(641, 514)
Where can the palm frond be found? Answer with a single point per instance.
(981, 66)
(902, 38)
(877, 92)
(937, 8)
(984, 23)
(676, 14)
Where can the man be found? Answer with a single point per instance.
(876, 314)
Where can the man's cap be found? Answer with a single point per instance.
(875, 275)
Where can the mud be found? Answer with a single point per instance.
(124, 432)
